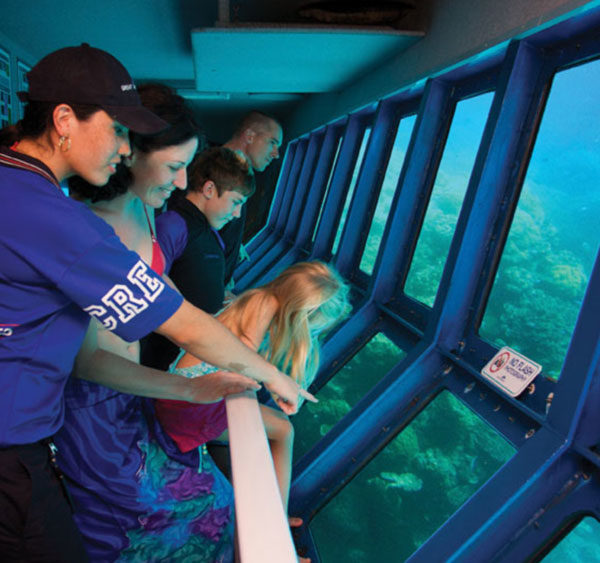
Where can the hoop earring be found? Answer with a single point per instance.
(61, 143)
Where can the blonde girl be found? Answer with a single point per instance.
(282, 321)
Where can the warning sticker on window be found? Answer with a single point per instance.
(511, 371)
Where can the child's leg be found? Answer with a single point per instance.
(280, 432)
(281, 439)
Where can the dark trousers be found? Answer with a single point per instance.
(36, 523)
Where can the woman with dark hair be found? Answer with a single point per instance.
(116, 457)
(62, 264)
(182, 129)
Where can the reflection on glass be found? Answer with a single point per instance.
(333, 163)
(412, 487)
(447, 197)
(581, 545)
(386, 195)
(554, 237)
(343, 391)
(351, 187)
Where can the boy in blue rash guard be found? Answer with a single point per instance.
(60, 265)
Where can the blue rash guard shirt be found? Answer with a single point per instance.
(59, 265)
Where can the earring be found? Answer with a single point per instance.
(61, 143)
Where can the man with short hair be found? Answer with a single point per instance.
(258, 138)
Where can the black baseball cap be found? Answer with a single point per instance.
(86, 75)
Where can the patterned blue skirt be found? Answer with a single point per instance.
(136, 496)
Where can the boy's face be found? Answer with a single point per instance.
(219, 210)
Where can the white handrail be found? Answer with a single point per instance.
(262, 526)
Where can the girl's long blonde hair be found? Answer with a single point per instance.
(311, 298)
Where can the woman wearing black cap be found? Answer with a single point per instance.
(60, 265)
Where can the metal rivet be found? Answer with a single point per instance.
(529, 433)
(469, 388)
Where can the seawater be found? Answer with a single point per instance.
(447, 453)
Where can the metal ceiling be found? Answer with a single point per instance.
(224, 67)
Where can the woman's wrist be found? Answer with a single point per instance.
(261, 371)
(182, 388)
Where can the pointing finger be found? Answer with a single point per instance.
(308, 396)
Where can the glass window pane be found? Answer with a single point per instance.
(581, 545)
(343, 391)
(335, 157)
(386, 195)
(554, 237)
(412, 487)
(351, 187)
(447, 197)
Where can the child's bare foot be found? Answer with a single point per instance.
(296, 522)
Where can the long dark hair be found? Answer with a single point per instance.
(164, 102)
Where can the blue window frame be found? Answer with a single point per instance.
(553, 425)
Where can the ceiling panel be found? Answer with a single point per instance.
(305, 59)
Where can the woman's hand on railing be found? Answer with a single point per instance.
(213, 387)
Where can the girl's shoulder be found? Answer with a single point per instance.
(265, 302)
